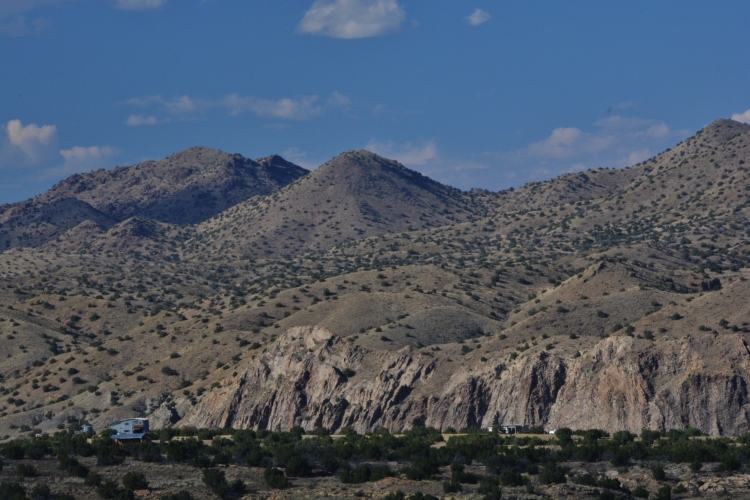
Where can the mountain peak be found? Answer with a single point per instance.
(722, 130)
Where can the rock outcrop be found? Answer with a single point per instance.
(312, 378)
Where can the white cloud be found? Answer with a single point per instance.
(303, 108)
(140, 120)
(139, 4)
(478, 17)
(742, 117)
(426, 158)
(350, 19)
(33, 141)
(613, 142)
(80, 159)
(567, 142)
(339, 100)
(298, 108)
(85, 155)
(181, 105)
(407, 153)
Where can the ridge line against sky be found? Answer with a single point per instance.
(473, 95)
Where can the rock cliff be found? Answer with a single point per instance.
(312, 378)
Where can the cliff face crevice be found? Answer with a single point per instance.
(621, 383)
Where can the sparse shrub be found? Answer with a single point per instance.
(108, 489)
(180, 495)
(12, 491)
(664, 493)
(26, 470)
(275, 479)
(298, 466)
(217, 481)
(657, 472)
(640, 492)
(552, 473)
(135, 481)
(41, 491)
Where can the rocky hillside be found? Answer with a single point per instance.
(355, 195)
(312, 378)
(185, 188)
(365, 294)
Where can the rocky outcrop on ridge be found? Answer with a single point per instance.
(312, 378)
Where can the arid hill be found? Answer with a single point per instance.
(365, 294)
(355, 195)
(185, 188)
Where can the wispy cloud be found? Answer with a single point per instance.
(20, 25)
(141, 120)
(301, 158)
(81, 158)
(139, 4)
(350, 19)
(478, 17)
(303, 108)
(614, 141)
(742, 117)
(146, 101)
(407, 153)
(425, 157)
(288, 108)
(10, 8)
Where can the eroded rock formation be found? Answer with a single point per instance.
(312, 378)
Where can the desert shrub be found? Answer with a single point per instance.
(109, 489)
(166, 370)
(216, 480)
(657, 472)
(364, 474)
(395, 495)
(93, 479)
(490, 488)
(451, 487)
(12, 491)
(552, 473)
(298, 466)
(13, 451)
(201, 462)
(422, 469)
(730, 462)
(41, 491)
(184, 451)
(26, 470)
(564, 436)
(275, 479)
(640, 492)
(664, 493)
(180, 495)
(135, 481)
(458, 475)
(512, 478)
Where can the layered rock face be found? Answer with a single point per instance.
(312, 378)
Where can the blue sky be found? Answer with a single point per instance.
(477, 93)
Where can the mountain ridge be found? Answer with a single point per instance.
(532, 305)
